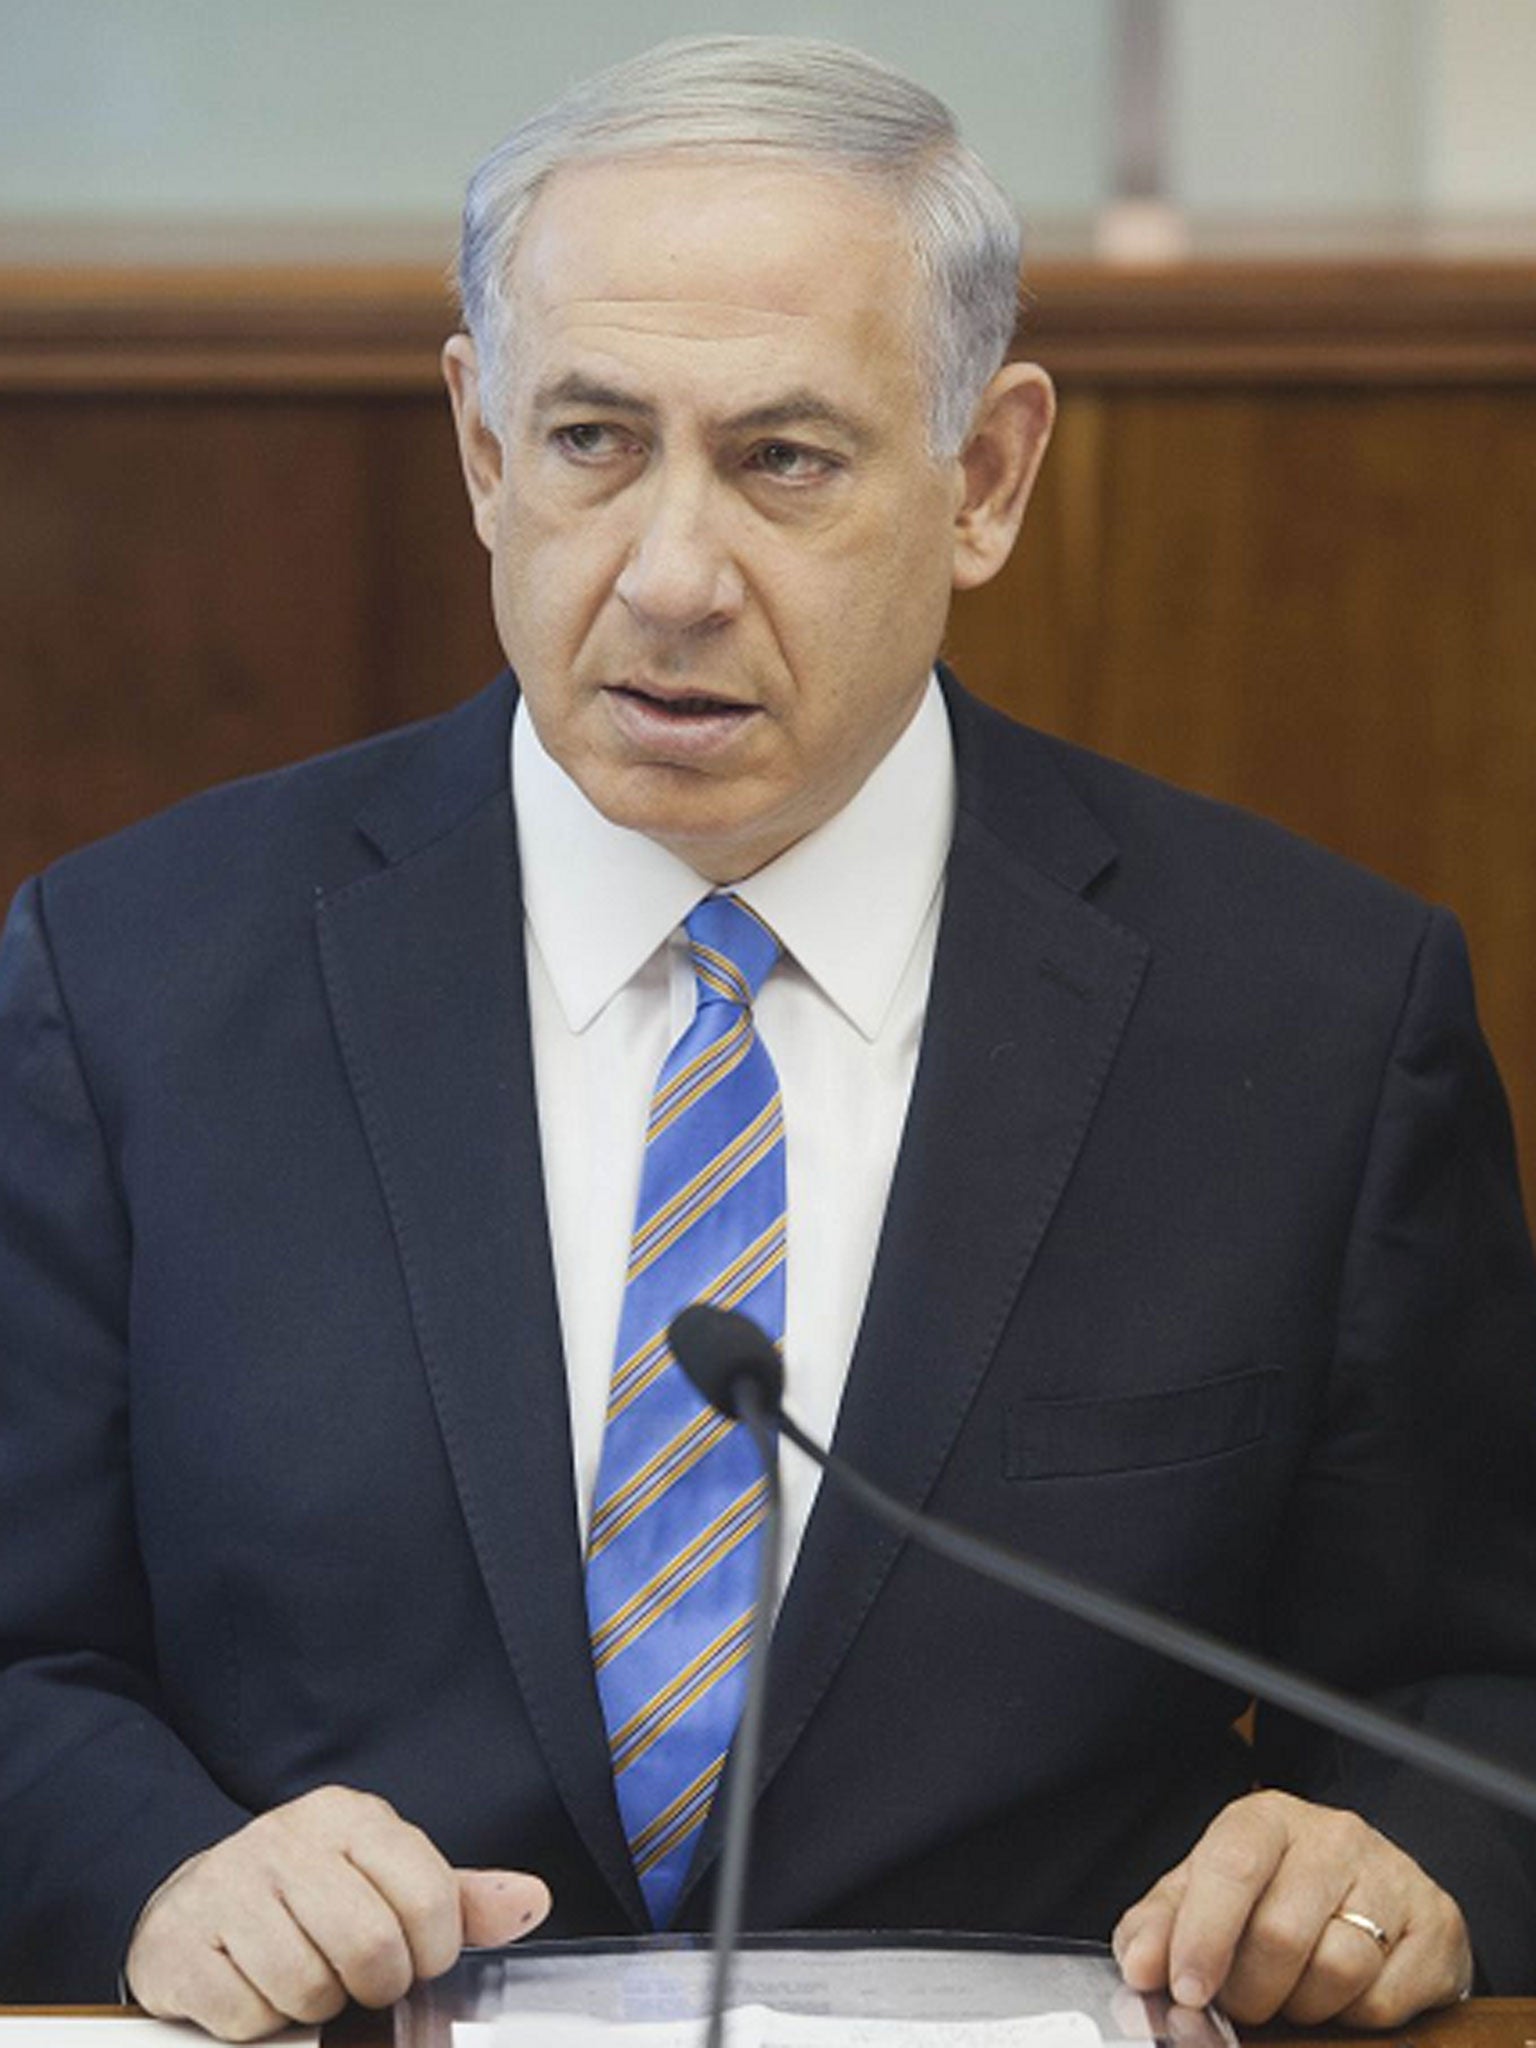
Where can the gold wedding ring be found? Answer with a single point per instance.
(1367, 1925)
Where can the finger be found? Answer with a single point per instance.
(328, 1896)
(1141, 1937)
(1229, 1871)
(416, 1883)
(1291, 1949)
(1430, 1965)
(500, 1905)
(1395, 1945)
(177, 1968)
(353, 1928)
(1343, 1966)
(280, 1964)
(204, 1985)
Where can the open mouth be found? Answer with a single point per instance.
(689, 729)
(689, 707)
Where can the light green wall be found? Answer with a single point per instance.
(302, 106)
(379, 107)
(1480, 134)
(1295, 106)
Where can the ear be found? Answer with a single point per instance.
(998, 466)
(479, 447)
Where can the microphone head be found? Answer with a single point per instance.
(719, 1350)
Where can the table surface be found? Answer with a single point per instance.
(1481, 2023)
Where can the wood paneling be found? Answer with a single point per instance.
(378, 326)
(195, 589)
(1284, 551)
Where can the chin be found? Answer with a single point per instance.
(662, 802)
(719, 852)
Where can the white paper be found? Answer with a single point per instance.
(759, 2026)
(106, 2030)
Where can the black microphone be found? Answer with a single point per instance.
(746, 1384)
(723, 1352)
(729, 1359)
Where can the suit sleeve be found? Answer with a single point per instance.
(99, 1799)
(1408, 1568)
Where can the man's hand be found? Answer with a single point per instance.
(1252, 1915)
(331, 1897)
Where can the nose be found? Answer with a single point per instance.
(680, 576)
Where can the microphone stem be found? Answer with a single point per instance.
(1251, 1674)
(741, 1778)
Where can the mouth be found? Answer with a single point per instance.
(682, 727)
(675, 704)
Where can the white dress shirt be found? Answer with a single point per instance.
(610, 989)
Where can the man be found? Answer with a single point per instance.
(1149, 1193)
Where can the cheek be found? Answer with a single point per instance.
(887, 613)
(898, 564)
(549, 586)
(835, 592)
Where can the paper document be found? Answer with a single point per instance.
(759, 2026)
(804, 1991)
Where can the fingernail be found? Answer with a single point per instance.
(1188, 1990)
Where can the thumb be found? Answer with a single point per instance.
(500, 1905)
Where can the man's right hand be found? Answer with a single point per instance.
(330, 1897)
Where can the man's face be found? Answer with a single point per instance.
(722, 552)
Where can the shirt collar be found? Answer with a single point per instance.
(848, 901)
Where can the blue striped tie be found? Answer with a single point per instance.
(677, 1516)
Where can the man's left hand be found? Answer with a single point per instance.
(1254, 1915)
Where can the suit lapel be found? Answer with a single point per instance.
(1031, 991)
(425, 969)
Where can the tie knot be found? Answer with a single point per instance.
(732, 950)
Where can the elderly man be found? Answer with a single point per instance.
(1124, 1179)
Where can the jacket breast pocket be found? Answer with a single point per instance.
(1067, 1439)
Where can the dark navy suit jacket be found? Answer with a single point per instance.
(1203, 1273)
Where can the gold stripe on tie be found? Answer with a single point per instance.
(722, 975)
(678, 1515)
(644, 1367)
(645, 1487)
(728, 1169)
(694, 1081)
(682, 1691)
(680, 1574)
(677, 1820)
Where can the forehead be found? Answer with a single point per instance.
(696, 250)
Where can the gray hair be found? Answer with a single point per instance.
(804, 99)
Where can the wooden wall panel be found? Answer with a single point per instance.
(1284, 551)
(196, 589)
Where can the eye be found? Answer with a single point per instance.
(788, 462)
(592, 441)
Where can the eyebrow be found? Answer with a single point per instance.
(796, 409)
(802, 409)
(574, 389)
